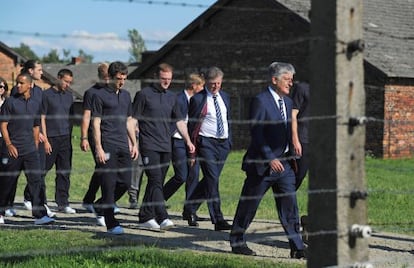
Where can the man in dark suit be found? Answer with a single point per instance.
(209, 115)
(267, 162)
(183, 171)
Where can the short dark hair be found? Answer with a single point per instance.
(27, 75)
(63, 72)
(117, 67)
(29, 64)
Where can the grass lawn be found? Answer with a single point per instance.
(390, 204)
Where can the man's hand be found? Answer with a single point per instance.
(48, 147)
(12, 151)
(134, 152)
(42, 138)
(276, 166)
(84, 145)
(297, 148)
(191, 147)
(101, 156)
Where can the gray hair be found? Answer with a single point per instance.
(214, 72)
(277, 69)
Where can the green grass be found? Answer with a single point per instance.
(390, 204)
(390, 201)
(76, 249)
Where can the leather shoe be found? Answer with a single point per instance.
(297, 254)
(243, 250)
(192, 220)
(222, 225)
(187, 216)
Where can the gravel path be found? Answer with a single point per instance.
(265, 237)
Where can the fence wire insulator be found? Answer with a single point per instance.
(360, 231)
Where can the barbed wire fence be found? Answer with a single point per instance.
(405, 192)
(86, 169)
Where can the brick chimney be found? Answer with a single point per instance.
(76, 60)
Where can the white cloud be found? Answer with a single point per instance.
(98, 42)
(155, 39)
(109, 44)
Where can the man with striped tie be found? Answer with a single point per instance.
(267, 162)
(209, 116)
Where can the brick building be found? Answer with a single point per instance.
(243, 37)
(11, 64)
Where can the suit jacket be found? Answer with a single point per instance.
(182, 103)
(268, 140)
(197, 109)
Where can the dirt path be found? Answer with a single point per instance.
(265, 237)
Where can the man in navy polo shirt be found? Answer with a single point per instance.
(35, 69)
(20, 120)
(112, 126)
(87, 141)
(156, 107)
(57, 107)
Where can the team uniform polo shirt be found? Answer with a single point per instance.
(88, 101)
(57, 106)
(300, 97)
(35, 93)
(155, 109)
(113, 109)
(22, 115)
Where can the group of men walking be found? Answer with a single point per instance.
(192, 129)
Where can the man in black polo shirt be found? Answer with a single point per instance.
(57, 107)
(155, 108)
(112, 126)
(20, 121)
(87, 141)
(35, 69)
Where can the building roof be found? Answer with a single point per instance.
(85, 75)
(19, 59)
(388, 34)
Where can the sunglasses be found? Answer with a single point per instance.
(2, 86)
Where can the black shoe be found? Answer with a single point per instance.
(192, 220)
(243, 250)
(187, 216)
(222, 225)
(297, 254)
(133, 205)
(304, 227)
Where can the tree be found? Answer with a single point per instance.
(137, 45)
(25, 51)
(86, 57)
(52, 57)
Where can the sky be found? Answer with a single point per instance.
(100, 26)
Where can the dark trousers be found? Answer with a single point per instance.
(10, 171)
(42, 160)
(183, 172)
(136, 179)
(61, 157)
(212, 154)
(115, 177)
(303, 165)
(95, 181)
(254, 188)
(155, 167)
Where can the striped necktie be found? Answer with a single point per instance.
(220, 125)
(282, 110)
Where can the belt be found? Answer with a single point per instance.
(216, 139)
